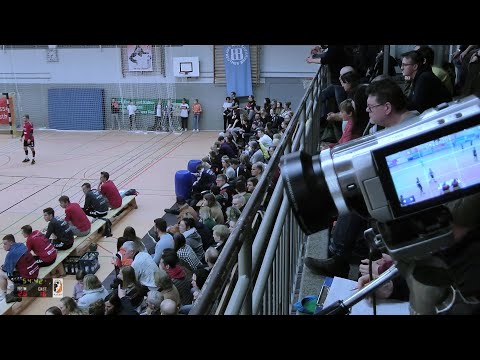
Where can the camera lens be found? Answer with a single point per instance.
(307, 191)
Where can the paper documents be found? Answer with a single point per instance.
(341, 289)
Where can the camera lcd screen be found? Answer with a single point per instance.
(433, 169)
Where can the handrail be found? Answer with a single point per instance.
(251, 262)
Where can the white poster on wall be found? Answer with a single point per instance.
(139, 57)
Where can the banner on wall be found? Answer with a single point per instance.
(3, 111)
(145, 106)
(237, 69)
(139, 57)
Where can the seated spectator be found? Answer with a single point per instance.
(251, 184)
(95, 204)
(167, 288)
(256, 154)
(228, 170)
(92, 292)
(257, 170)
(130, 234)
(19, 264)
(168, 307)
(220, 235)
(108, 189)
(116, 303)
(205, 179)
(78, 288)
(238, 201)
(165, 240)
(154, 299)
(225, 190)
(170, 263)
(427, 90)
(206, 217)
(198, 280)
(97, 308)
(241, 188)
(211, 256)
(54, 310)
(62, 236)
(142, 263)
(68, 306)
(233, 213)
(45, 252)
(75, 217)
(264, 138)
(225, 148)
(134, 291)
(215, 208)
(192, 237)
(185, 253)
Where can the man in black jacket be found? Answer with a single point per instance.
(59, 228)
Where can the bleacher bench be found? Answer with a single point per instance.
(79, 245)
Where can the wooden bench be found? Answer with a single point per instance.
(80, 245)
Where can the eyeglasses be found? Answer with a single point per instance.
(403, 64)
(370, 107)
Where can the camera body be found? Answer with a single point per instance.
(388, 176)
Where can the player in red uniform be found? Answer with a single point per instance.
(28, 140)
(109, 190)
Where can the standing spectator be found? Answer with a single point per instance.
(197, 111)
(109, 190)
(115, 109)
(158, 116)
(75, 217)
(184, 109)
(475, 154)
(45, 252)
(28, 139)
(132, 110)
(63, 236)
(226, 111)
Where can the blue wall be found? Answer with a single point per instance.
(76, 109)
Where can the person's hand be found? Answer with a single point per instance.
(456, 54)
(309, 60)
(363, 268)
(383, 292)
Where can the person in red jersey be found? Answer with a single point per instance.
(19, 264)
(75, 216)
(45, 252)
(28, 140)
(109, 190)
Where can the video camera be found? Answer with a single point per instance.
(399, 177)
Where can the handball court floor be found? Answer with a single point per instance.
(65, 160)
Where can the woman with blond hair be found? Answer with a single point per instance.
(93, 290)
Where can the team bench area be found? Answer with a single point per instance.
(80, 246)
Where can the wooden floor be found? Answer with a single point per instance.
(67, 159)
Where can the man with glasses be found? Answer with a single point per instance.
(387, 107)
(427, 90)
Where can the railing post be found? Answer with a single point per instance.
(245, 270)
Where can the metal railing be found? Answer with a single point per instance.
(267, 252)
